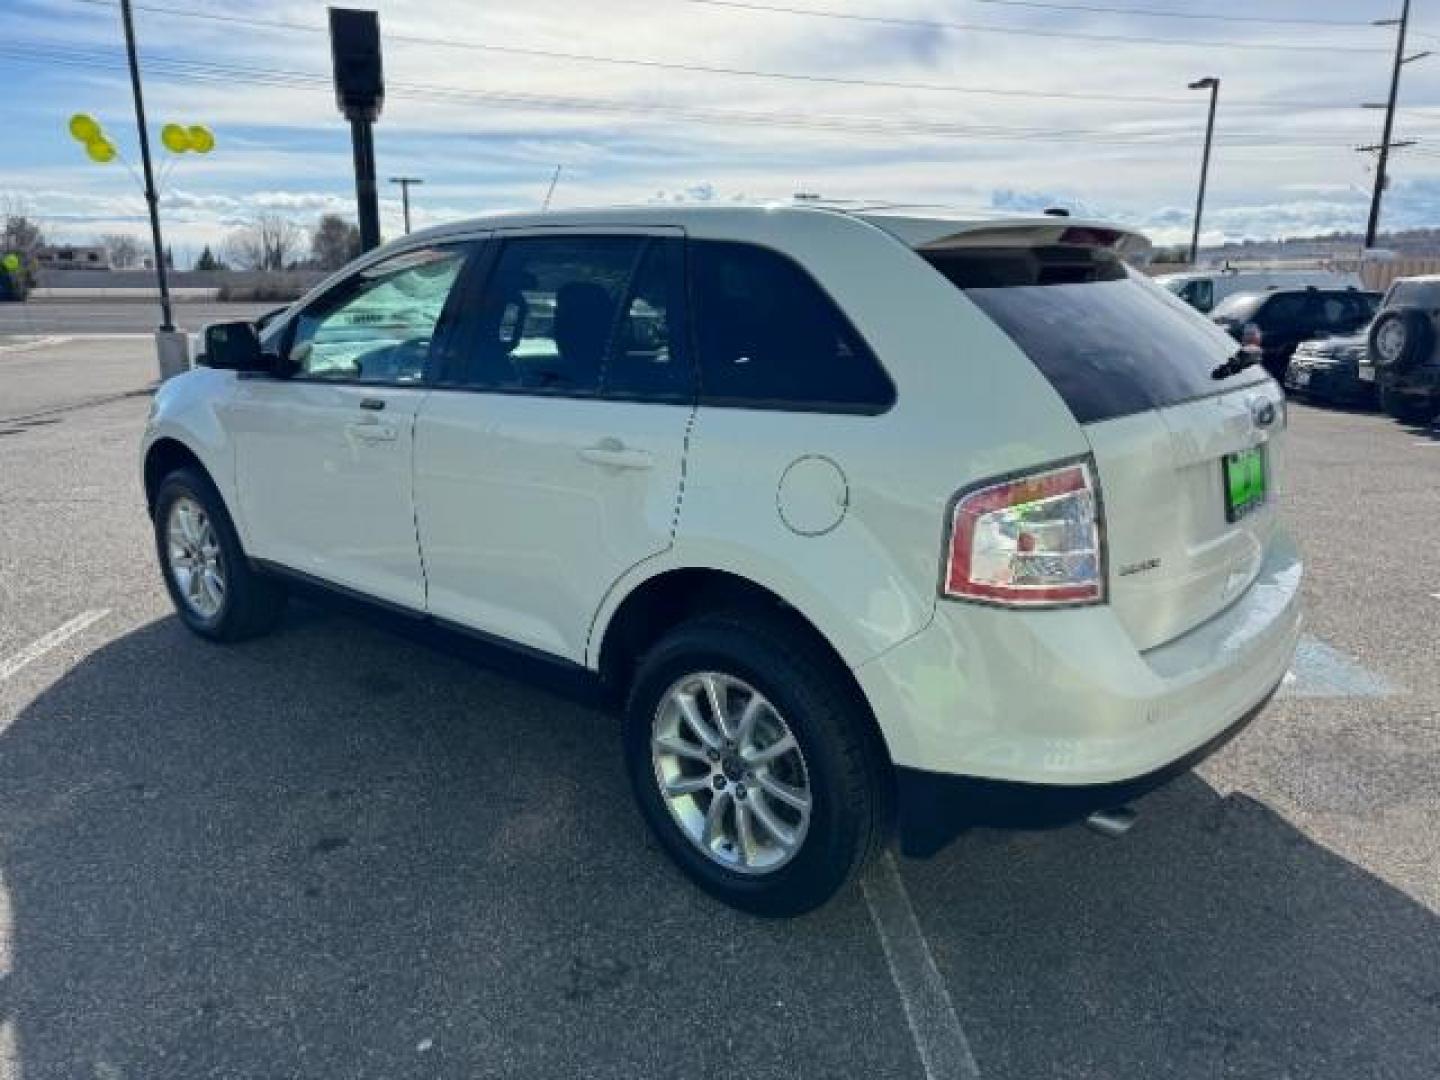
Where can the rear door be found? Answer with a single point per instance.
(1142, 374)
(548, 460)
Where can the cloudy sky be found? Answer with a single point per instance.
(1010, 103)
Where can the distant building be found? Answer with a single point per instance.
(72, 257)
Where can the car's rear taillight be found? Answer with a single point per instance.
(1031, 540)
(1251, 335)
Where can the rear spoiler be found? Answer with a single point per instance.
(939, 235)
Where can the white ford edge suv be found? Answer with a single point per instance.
(872, 519)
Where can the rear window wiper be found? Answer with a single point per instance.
(1246, 357)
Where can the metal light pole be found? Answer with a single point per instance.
(1212, 84)
(405, 182)
(1385, 142)
(167, 323)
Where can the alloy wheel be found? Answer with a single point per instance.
(196, 563)
(731, 772)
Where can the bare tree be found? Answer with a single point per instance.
(122, 248)
(334, 242)
(268, 241)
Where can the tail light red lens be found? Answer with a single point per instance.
(1032, 540)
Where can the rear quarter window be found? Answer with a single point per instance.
(1110, 341)
(769, 337)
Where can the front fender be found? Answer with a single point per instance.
(190, 409)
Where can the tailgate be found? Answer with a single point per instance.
(1176, 558)
(1163, 396)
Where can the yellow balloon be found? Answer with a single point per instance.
(202, 139)
(101, 151)
(175, 138)
(84, 127)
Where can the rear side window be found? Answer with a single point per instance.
(768, 337)
(1110, 341)
(550, 307)
(580, 316)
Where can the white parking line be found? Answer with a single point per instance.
(1320, 671)
(32, 343)
(939, 1039)
(40, 646)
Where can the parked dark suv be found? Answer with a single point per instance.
(1280, 319)
(1403, 354)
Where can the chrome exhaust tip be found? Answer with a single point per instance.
(1112, 823)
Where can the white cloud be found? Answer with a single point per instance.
(283, 147)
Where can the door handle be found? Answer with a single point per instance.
(616, 455)
(372, 431)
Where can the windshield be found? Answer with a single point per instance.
(1110, 340)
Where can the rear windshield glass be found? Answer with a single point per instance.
(1109, 340)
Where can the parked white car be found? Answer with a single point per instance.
(867, 517)
(1204, 289)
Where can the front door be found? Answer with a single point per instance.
(324, 455)
(548, 460)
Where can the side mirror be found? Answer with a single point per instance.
(235, 346)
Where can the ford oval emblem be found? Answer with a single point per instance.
(1262, 412)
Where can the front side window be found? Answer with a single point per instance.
(376, 326)
(768, 337)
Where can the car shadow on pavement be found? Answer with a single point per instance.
(1214, 939)
(335, 852)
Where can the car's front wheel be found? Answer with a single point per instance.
(215, 591)
(754, 764)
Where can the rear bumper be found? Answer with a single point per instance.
(1332, 382)
(934, 807)
(1063, 698)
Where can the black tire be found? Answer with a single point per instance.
(252, 603)
(848, 771)
(1410, 333)
(1408, 408)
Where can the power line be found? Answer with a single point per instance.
(980, 28)
(671, 65)
(191, 70)
(1157, 13)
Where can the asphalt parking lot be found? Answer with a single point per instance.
(337, 852)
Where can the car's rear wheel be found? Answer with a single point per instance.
(1409, 408)
(754, 764)
(215, 591)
